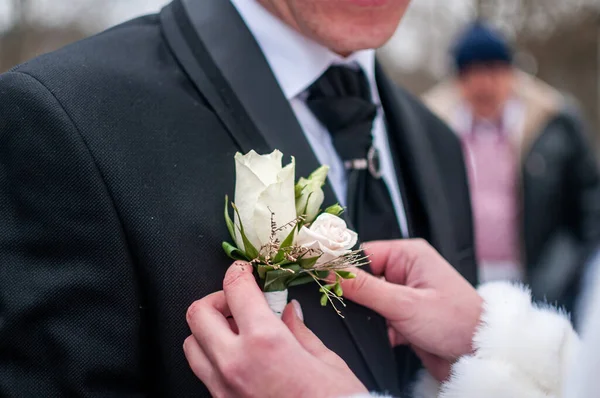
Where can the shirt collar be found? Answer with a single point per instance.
(297, 61)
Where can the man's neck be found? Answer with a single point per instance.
(281, 10)
(296, 60)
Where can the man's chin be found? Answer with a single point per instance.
(369, 3)
(344, 27)
(355, 38)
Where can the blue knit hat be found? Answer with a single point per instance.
(480, 44)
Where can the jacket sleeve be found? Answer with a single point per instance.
(69, 311)
(583, 177)
(520, 351)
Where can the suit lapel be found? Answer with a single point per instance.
(239, 59)
(231, 73)
(408, 130)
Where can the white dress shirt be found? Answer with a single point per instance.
(297, 62)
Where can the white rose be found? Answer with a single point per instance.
(328, 234)
(262, 187)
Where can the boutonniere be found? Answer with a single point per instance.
(280, 228)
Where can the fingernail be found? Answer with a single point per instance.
(298, 310)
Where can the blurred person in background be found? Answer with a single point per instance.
(533, 176)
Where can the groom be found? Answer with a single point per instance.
(116, 154)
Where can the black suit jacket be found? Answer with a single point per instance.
(115, 156)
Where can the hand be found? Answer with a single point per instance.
(254, 354)
(426, 302)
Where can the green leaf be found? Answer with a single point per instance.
(279, 279)
(326, 288)
(280, 256)
(304, 211)
(287, 242)
(301, 279)
(335, 209)
(299, 187)
(285, 263)
(228, 221)
(250, 249)
(263, 269)
(276, 280)
(308, 263)
(294, 267)
(337, 289)
(233, 252)
(324, 300)
(322, 274)
(302, 208)
(346, 274)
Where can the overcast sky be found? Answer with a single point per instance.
(126, 9)
(58, 11)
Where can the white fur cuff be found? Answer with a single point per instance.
(520, 350)
(426, 386)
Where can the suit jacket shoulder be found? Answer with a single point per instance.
(130, 43)
(131, 64)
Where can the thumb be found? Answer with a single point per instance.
(385, 298)
(305, 336)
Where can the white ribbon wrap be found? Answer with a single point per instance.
(277, 301)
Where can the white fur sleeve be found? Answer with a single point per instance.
(521, 350)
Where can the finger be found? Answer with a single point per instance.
(395, 257)
(203, 368)
(214, 300)
(385, 298)
(392, 336)
(233, 325)
(396, 338)
(245, 299)
(198, 361)
(309, 341)
(379, 253)
(207, 319)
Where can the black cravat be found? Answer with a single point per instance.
(341, 100)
